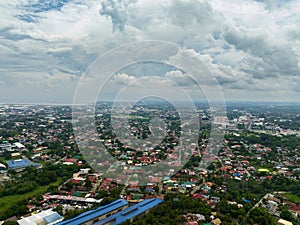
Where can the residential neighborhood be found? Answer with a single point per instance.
(262, 161)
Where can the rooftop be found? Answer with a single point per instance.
(44, 217)
(95, 213)
(284, 222)
(130, 212)
(20, 163)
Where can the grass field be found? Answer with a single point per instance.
(292, 197)
(7, 201)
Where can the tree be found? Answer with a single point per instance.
(59, 209)
(10, 223)
(287, 215)
(88, 183)
(261, 216)
(72, 213)
(101, 194)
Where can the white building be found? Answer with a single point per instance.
(3, 168)
(47, 217)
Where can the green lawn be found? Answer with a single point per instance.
(7, 201)
(292, 197)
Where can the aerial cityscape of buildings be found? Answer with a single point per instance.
(256, 167)
(139, 112)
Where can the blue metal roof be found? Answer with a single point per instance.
(95, 213)
(20, 163)
(130, 212)
(246, 200)
(52, 218)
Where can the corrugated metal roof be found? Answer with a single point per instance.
(130, 212)
(19, 163)
(44, 217)
(52, 218)
(95, 213)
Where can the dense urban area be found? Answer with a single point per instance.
(254, 177)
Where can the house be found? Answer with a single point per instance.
(18, 145)
(3, 168)
(216, 221)
(284, 222)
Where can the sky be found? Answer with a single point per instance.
(252, 47)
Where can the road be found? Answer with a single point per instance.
(264, 197)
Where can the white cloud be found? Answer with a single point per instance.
(124, 78)
(117, 11)
(247, 44)
(179, 78)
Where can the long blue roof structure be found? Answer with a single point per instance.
(130, 212)
(95, 213)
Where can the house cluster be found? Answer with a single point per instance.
(241, 161)
(41, 132)
(273, 201)
(195, 219)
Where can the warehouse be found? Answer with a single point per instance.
(20, 164)
(97, 214)
(48, 217)
(138, 209)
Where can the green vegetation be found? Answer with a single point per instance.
(172, 211)
(10, 223)
(32, 179)
(29, 184)
(73, 212)
(261, 216)
(17, 204)
(291, 142)
(292, 197)
(287, 215)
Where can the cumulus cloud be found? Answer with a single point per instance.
(190, 13)
(276, 60)
(246, 44)
(272, 4)
(117, 11)
(179, 78)
(124, 78)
